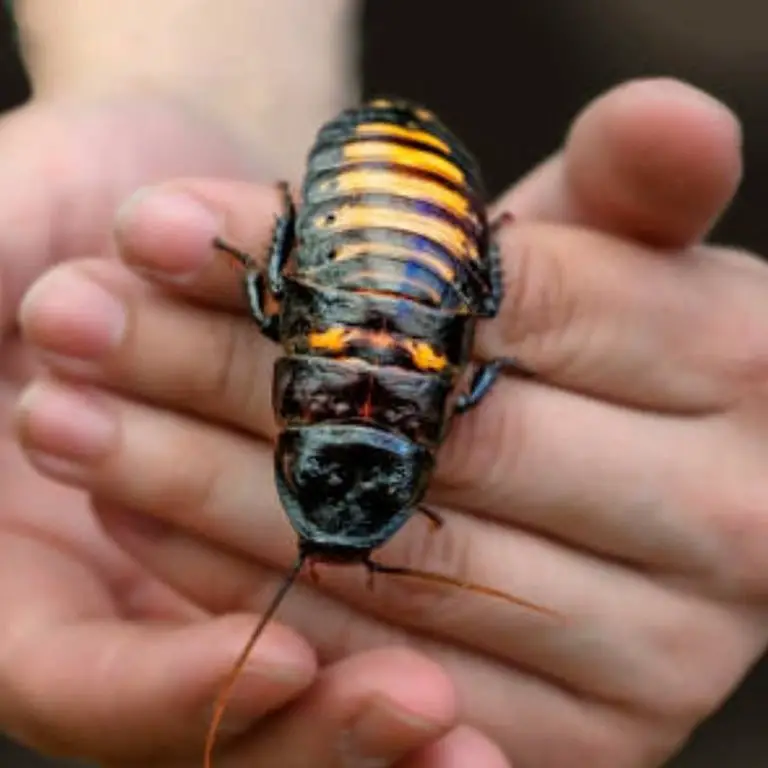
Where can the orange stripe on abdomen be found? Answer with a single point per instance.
(408, 157)
(337, 341)
(378, 181)
(402, 132)
(360, 217)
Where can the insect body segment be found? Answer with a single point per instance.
(377, 283)
(373, 290)
(392, 195)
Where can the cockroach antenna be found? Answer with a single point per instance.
(226, 689)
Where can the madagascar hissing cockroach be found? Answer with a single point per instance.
(373, 289)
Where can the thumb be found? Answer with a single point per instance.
(654, 160)
(66, 167)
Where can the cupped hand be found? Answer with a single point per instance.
(99, 658)
(622, 489)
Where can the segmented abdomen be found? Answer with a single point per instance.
(390, 268)
(393, 204)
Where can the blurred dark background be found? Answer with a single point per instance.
(509, 78)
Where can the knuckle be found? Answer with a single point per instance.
(730, 512)
(694, 653)
(731, 340)
(740, 530)
(345, 632)
(744, 366)
(243, 586)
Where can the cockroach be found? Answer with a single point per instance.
(373, 289)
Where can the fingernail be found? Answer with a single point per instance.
(64, 429)
(72, 319)
(166, 233)
(377, 732)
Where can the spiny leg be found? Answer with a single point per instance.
(244, 258)
(485, 377)
(435, 518)
(256, 285)
(492, 302)
(255, 288)
(283, 238)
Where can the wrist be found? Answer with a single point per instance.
(270, 72)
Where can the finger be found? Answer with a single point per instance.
(615, 320)
(377, 706)
(166, 234)
(642, 508)
(89, 320)
(142, 690)
(59, 174)
(217, 491)
(655, 160)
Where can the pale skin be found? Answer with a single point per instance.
(655, 640)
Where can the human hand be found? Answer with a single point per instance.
(630, 549)
(64, 169)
